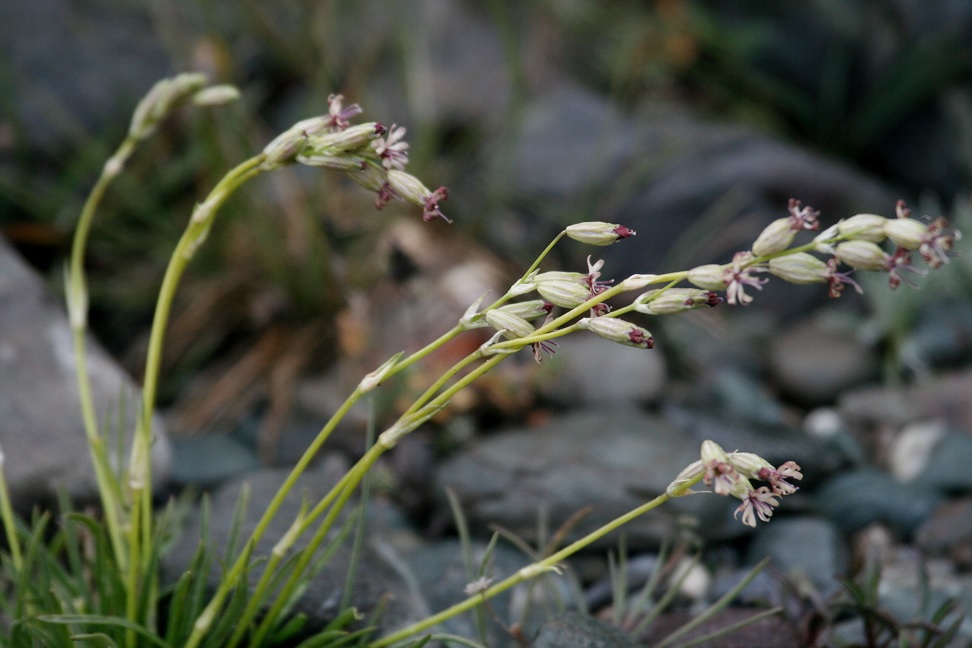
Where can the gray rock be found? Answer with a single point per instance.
(41, 428)
(771, 632)
(807, 548)
(377, 578)
(942, 336)
(948, 465)
(207, 459)
(815, 363)
(705, 177)
(855, 499)
(612, 460)
(90, 62)
(576, 630)
(588, 371)
(441, 576)
(944, 397)
(949, 532)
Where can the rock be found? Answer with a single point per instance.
(613, 460)
(948, 466)
(910, 451)
(439, 568)
(941, 338)
(815, 363)
(576, 630)
(805, 548)
(41, 428)
(711, 175)
(204, 460)
(856, 499)
(944, 397)
(91, 62)
(771, 632)
(376, 582)
(587, 371)
(949, 532)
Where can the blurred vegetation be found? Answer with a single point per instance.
(259, 303)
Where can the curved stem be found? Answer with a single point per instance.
(78, 307)
(542, 566)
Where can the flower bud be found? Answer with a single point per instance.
(349, 139)
(862, 255)
(216, 95)
(408, 187)
(800, 268)
(675, 300)
(160, 100)
(339, 162)
(564, 289)
(748, 464)
(618, 330)
(906, 232)
(512, 326)
(638, 281)
(598, 233)
(775, 238)
(863, 227)
(709, 277)
(689, 475)
(370, 177)
(373, 379)
(528, 310)
(713, 452)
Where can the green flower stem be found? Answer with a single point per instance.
(140, 463)
(77, 285)
(426, 350)
(6, 514)
(442, 380)
(307, 553)
(234, 574)
(542, 566)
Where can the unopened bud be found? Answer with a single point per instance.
(371, 177)
(339, 162)
(748, 464)
(598, 233)
(564, 289)
(408, 187)
(349, 139)
(775, 238)
(800, 268)
(618, 330)
(160, 100)
(906, 232)
(862, 255)
(709, 277)
(512, 326)
(863, 227)
(373, 379)
(528, 310)
(675, 300)
(216, 95)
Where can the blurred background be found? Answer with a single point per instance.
(690, 122)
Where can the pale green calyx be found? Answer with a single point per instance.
(863, 227)
(598, 233)
(800, 268)
(564, 289)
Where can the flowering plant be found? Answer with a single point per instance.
(556, 303)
